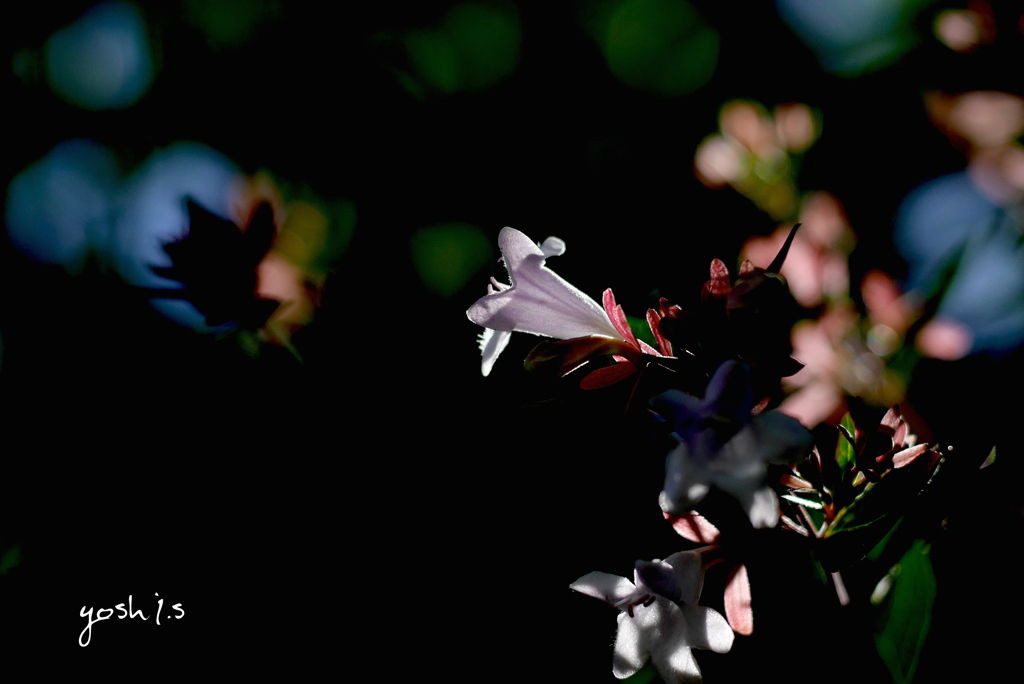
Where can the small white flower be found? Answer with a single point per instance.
(722, 445)
(660, 618)
(538, 301)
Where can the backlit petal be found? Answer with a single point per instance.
(539, 301)
(737, 601)
(630, 654)
(492, 342)
(609, 588)
(707, 629)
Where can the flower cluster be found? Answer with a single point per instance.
(737, 464)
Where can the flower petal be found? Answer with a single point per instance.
(601, 585)
(688, 573)
(693, 526)
(564, 356)
(618, 317)
(630, 651)
(719, 283)
(609, 375)
(516, 247)
(781, 439)
(761, 506)
(686, 483)
(679, 408)
(707, 629)
(738, 608)
(552, 247)
(539, 301)
(492, 342)
(729, 392)
(908, 456)
(654, 321)
(678, 630)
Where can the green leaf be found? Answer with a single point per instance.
(903, 626)
(842, 547)
(845, 453)
(876, 553)
(989, 460)
(806, 503)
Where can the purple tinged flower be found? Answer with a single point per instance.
(538, 301)
(721, 444)
(660, 617)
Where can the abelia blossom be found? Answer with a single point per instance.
(538, 301)
(721, 444)
(659, 617)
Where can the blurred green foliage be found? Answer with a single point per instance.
(10, 558)
(660, 46)
(475, 46)
(230, 23)
(446, 256)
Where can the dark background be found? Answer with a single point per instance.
(381, 509)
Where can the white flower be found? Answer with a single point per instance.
(538, 301)
(659, 617)
(722, 445)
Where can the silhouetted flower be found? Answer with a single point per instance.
(660, 617)
(748, 319)
(217, 263)
(721, 444)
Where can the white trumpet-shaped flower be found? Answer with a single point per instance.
(660, 617)
(721, 444)
(538, 301)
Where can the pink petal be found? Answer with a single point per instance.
(618, 317)
(609, 375)
(653, 318)
(738, 606)
(908, 456)
(694, 527)
(719, 283)
(891, 419)
(648, 349)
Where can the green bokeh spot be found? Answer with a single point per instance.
(10, 558)
(661, 46)
(642, 329)
(435, 59)
(230, 23)
(487, 42)
(446, 256)
(475, 46)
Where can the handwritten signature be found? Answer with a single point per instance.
(130, 612)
